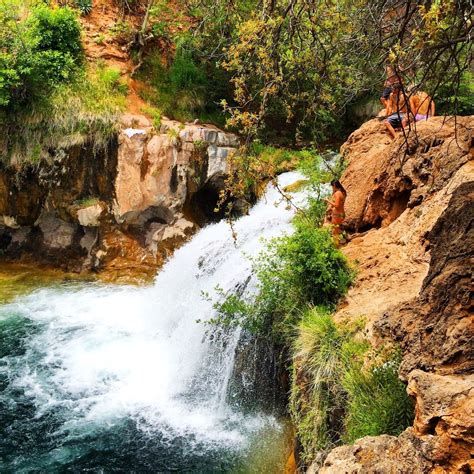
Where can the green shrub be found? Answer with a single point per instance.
(9, 78)
(184, 72)
(185, 89)
(180, 89)
(461, 101)
(342, 390)
(85, 6)
(56, 29)
(294, 271)
(377, 400)
(300, 269)
(110, 78)
(39, 50)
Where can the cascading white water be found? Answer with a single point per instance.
(103, 354)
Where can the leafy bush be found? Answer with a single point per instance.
(38, 52)
(294, 271)
(303, 268)
(184, 73)
(185, 89)
(85, 6)
(56, 29)
(461, 103)
(341, 390)
(9, 78)
(178, 90)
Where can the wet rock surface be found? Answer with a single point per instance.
(144, 195)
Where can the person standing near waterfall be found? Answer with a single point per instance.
(336, 208)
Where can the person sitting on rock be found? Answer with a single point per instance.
(421, 105)
(392, 79)
(396, 110)
(336, 209)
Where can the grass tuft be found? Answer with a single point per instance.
(87, 109)
(341, 389)
(377, 400)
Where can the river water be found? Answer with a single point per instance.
(110, 378)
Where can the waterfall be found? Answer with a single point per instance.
(98, 358)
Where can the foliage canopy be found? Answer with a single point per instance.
(40, 48)
(294, 65)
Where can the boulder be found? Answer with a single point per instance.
(128, 192)
(90, 216)
(89, 239)
(384, 177)
(57, 234)
(227, 140)
(134, 121)
(444, 404)
(377, 454)
(158, 173)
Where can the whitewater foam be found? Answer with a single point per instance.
(103, 353)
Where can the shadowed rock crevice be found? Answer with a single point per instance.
(203, 205)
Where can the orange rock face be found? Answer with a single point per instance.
(384, 177)
(413, 201)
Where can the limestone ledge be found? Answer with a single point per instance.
(117, 209)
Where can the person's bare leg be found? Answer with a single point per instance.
(390, 129)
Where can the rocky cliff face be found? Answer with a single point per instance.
(123, 208)
(413, 200)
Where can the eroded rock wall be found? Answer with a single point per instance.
(413, 201)
(384, 177)
(121, 210)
